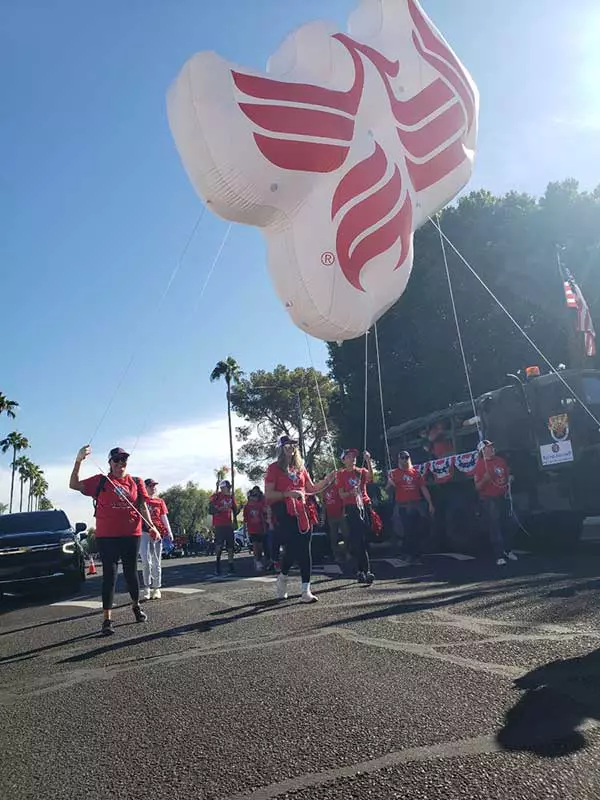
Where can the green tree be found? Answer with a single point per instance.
(230, 371)
(188, 508)
(511, 242)
(15, 442)
(282, 402)
(8, 407)
(45, 504)
(3, 508)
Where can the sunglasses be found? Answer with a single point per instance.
(403, 458)
(119, 460)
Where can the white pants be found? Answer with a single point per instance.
(151, 551)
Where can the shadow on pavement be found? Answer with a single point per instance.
(559, 697)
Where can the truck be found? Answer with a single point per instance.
(544, 425)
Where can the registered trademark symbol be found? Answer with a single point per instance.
(328, 259)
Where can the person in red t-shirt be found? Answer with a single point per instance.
(409, 492)
(151, 548)
(121, 505)
(351, 483)
(336, 521)
(224, 511)
(492, 478)
(256, 523)
(287, 483)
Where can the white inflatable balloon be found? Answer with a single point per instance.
(339, 153)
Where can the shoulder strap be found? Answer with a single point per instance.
(99, 488)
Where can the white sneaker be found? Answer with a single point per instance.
(512, 556)
(308, 597)
(501, 562)
(281, 587)
(156, 595)
(146, 594)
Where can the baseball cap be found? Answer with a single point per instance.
(151, 482)
(118, 451)
(350, 451)
(485, 443)
(224, 485)
(283, 440)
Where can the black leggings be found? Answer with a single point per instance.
(296, 547)
(111, 549)
(358, 535)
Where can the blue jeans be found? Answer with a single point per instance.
(411, 516)
(497, 515)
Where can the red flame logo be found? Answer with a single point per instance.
(432, 128)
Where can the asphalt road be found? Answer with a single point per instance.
(453, 680)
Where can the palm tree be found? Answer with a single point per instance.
(7, 406)
(17, 442)
(33, 474)
(23, 465)
(230, 370)
(40, 487)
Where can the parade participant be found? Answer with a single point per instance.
(151, 549)
(120, 506)
(256, 523)
(224, 511)
(286, 484)
(336, 521)
(351, 483)
(410, 489)
(492, 479)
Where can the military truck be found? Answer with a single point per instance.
(550, 441)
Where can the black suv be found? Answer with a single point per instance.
(40, 547)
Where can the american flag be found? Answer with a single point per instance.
(575, 299)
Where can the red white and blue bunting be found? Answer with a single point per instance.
(442, 469)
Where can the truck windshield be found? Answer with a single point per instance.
(591, 389)
(33, 522)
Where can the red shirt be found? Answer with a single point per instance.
(408, 483)
(254, 517)
(333, 502)
(282, 481)
(499, 473)
(353, 481)
(223, 505)
(114, 515)
(158, 508)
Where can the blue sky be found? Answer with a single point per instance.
(96, 207)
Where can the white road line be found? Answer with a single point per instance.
(95, 604)
(328, 569)
(455, 556)
(183, 589)
(261, 579)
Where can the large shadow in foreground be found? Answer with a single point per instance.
(558, 698)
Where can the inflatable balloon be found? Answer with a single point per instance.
(338, 153)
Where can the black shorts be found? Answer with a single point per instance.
(224, 536)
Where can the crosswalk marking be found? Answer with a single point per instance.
(93, 604)
(183, 589)
(262, 579)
